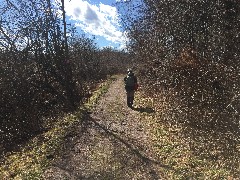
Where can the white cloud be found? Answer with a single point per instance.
(99, 20)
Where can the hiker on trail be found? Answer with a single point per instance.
(130, 86)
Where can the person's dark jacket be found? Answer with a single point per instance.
(130, 88)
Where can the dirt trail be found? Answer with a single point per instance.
(112, 143)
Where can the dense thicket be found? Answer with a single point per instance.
(188, 57)
(43, 72)
(192, 53)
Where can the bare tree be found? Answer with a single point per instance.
(190, 47)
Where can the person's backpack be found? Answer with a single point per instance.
(136, 86)
(130, 81)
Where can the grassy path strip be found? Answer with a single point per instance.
(32, 159)
(114, 144)
(182, 153)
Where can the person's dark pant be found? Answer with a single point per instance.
(130, 101)
(130, 98)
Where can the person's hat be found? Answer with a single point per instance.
(129, 70)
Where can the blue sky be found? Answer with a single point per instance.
(98, 18)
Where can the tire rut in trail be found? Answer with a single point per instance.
(113, 144)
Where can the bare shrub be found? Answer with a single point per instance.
(184, 47)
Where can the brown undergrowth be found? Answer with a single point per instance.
(192, 151)
(30, 159)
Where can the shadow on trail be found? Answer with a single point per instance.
(132, 149)
(101, 152)
(143, 109)
(128, 145)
